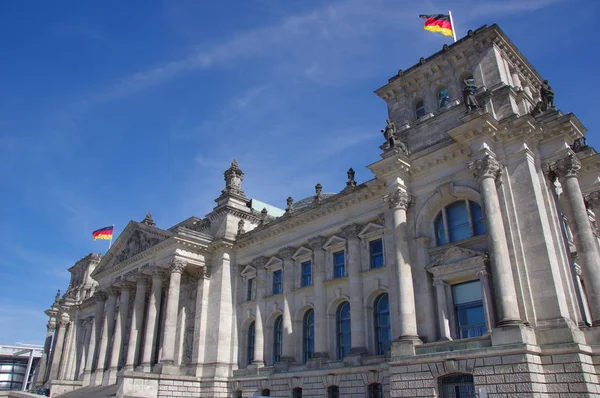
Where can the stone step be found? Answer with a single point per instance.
(92, 392)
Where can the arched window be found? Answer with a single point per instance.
(277, 334)
(383, 331)
(343, 330)
(375, 390)
(333, 392)
(239, 394)
(457, 385)
(443, 97)
(297, 392)
(308, 335)
(250, 351)
(420, 109)
(266, 392)
(457, 221)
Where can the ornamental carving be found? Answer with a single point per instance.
(485, 167)
(567, 167)
(100, 297)
(259, 262)
(398, 199)
(317, 242)
(177, 266)
(351, 231)
(593, 199)
(137, 243)
(287, 252)
(233, 179)
(439, 282)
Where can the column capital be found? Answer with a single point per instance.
(351, 231)
(482, 272)
(259, 262)
(157, 273)
(113, 291)
(176, 266)
(126, 285)
(399, 199)
(439, 282)
(317, 242)
(593, 198)
(287, 252)
(51, 325)
(485, 167)
(100, 296)
(568, 166)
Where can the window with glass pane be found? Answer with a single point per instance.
(343, 330)
(440, 230)
(463, 219)
(250, 351)
(457, 386)
(457, 217)
(297, 392)
(468, 308)
(266, 392)
(420, 109)
(443, 98)
(250, 289)
(277, 335)
(339, 265)
(277, 285)
(306, 274)
(333, 392)
(477, 217)
(308, 335)
(383, 331)
(376, 253)
(375, 390)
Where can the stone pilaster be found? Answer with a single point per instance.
(316, 244)
(288, 344)
(135, 331)
(200, 322)
(57, 357)
(89, 326)
(168, 352)
(261, 292)
(486, 170)
(107, 330)
(95, 331)
(357, 322)
(442, 309)
(50, 328)
(567, 170)
(152, 320)
(110, 377)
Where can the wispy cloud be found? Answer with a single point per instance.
(497, 8)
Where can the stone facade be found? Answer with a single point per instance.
(466, 267)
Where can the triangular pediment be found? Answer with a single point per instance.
(455, 255)
(302, 252)
(334, 241)
(136, 238)
(370, 228)
(248, 271)
(274, 262)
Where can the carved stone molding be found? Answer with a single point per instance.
(593, 199)
(63, 322)
(317, 242)
(259, 262)
(399, 199)
(351, 231)
(100, 296)
(568, 166)
(482, 272)
(287, 252)
(233, 179)
(126, 285)
(176, 266)
(113, 291)
(439, 282)
(485, 167)
(51, 325)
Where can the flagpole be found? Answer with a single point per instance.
(111, 236)
(452, 25)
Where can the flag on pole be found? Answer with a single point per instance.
(441, 23)
(105, 233)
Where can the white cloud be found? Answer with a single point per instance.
(497, 8)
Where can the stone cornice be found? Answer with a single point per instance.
(398, 163)
(284, 224)
(439, 158)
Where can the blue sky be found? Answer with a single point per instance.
(111, 109)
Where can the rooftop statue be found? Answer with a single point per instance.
(389, 133)
(469, 99)
(546, 99)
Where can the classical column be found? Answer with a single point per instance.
(152, 319)
(357, 320)
(316, 244)
(442, 309)
(486, 170)
(261, 291)
(398, 202)
(119, 332)
(168, 353)
(567, 170)
(486, 296)
(81, 365)
(288, 343)
(136, 322)
(50, 328)
(107, 331)
(200, 321)
(95, 330)
(58, 347)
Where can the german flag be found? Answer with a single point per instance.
(438, 23)
(105, 233)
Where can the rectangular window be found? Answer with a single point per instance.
(468, 307)
(339, 265)
(250, 292)
(376, 253)
(277, 286)
(306, 274)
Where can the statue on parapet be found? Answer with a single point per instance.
(389, 133)
(546, 99)
(469, 99)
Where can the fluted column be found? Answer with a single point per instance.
(57, 357)
(398, 202)
(357, 319)
(486, 296)
(200, 321)
(567, 170)
(442, 309)
(50, 329)
(316, 244)
(119, 332)
(288, 343)
(89, 333)
(487, 170)
(168, 353)
(135, 330)
(107, 331)
(95, 330)
(152, 319)
(261, 291)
